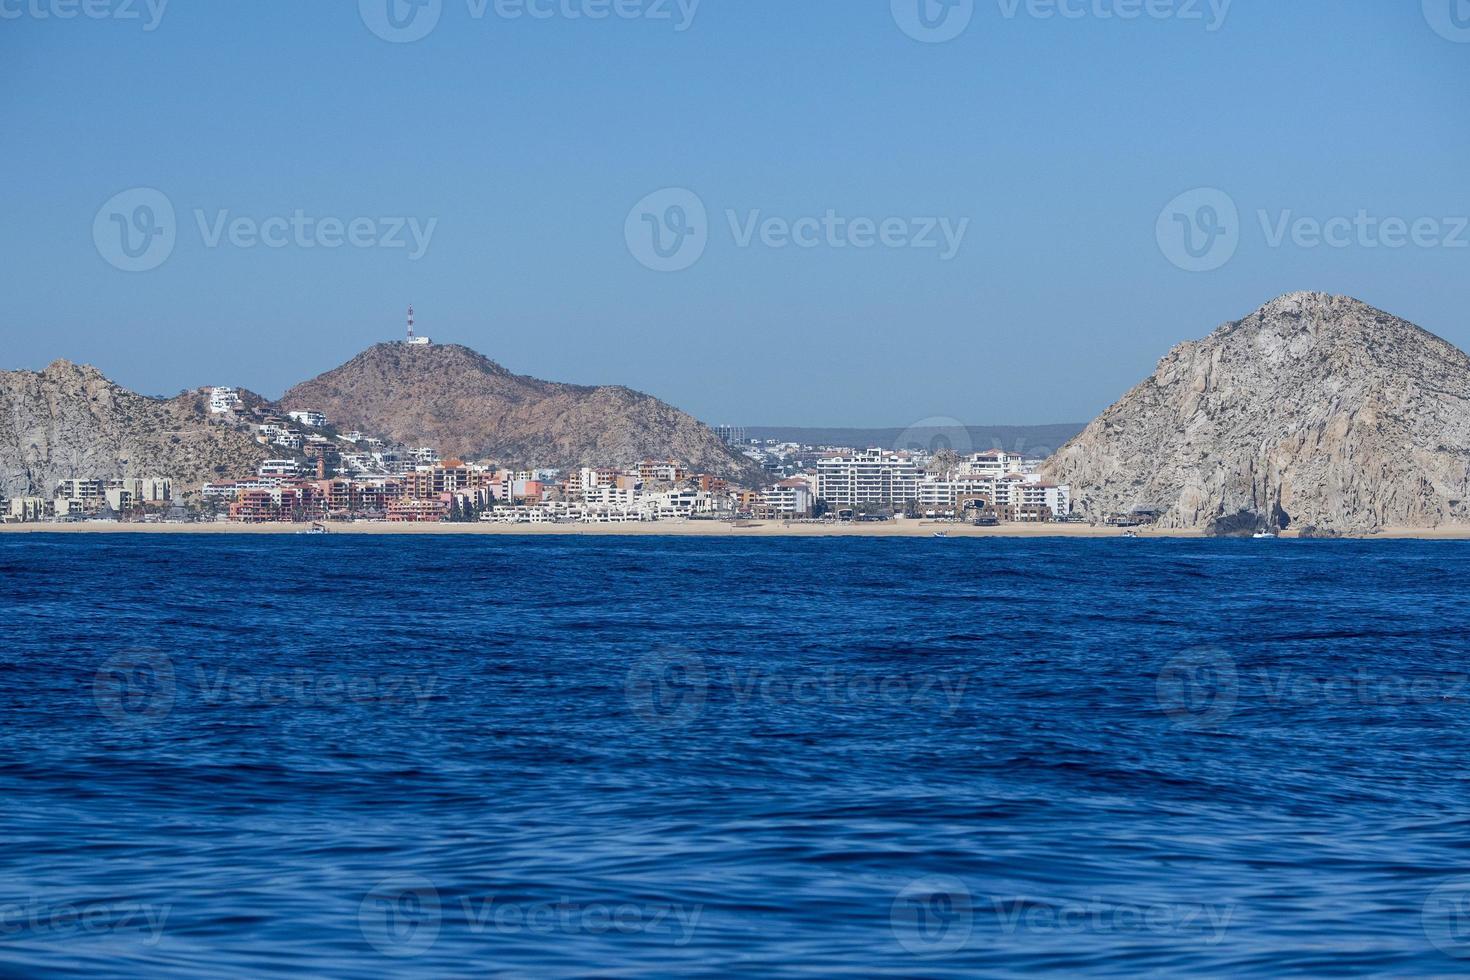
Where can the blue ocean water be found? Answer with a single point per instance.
(467, 756)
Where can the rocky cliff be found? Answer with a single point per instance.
(1314, 411)
(466, 405)
(70, 421)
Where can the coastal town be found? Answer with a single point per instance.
(315, 473)
(315, 481)
(321, 475)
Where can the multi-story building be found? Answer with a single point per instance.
(732, 435)
(590, 478)
(29, 509)
(222, 400)
(996, 462)
(789, 498)
(278, 504)
(74, 497)
(280, 468)
(314, 420)
(866, 477)
(417, 511)
(1043, 501)
(659, 471)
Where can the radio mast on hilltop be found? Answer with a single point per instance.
(412, 340)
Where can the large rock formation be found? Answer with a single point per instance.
(466, 405)
(70, 421)
(1314, 411)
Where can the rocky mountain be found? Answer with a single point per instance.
(70, 421)
(466, 405)
(1314, 411)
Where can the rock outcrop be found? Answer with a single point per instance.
(466, 405)
(69, 421)
(1315, 411)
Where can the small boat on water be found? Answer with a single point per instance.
(1262, 535)
(316, 529)
(941, 534)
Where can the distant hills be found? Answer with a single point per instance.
(464, 404)
(1038, 440)
(1314, 411)
(70, 421)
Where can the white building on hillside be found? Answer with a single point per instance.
(222, 400)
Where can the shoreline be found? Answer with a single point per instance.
(712, 529)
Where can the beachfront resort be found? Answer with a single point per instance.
(318, 474)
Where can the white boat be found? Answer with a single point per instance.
(1260, 535)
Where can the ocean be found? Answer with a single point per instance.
(373, 756)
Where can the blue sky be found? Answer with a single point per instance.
(520, 146)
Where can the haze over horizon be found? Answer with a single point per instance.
(521, 156)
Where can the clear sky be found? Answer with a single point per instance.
(523, 148)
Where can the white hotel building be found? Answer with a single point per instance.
(884, 478)
(868, 476)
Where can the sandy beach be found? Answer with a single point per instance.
(889, 529)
